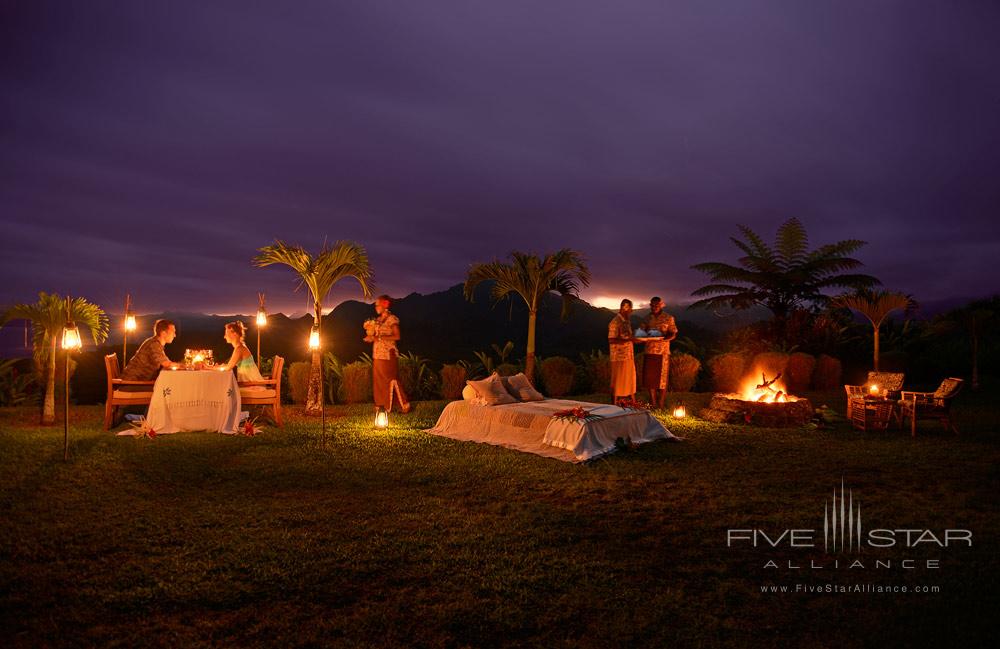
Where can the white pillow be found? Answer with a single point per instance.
(491, 391)
(523, 389)
(469, 394)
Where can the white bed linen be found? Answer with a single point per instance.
(530, 427)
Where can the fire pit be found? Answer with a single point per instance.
(760, 404)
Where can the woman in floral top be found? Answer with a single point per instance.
(383, 333)
(620, 341)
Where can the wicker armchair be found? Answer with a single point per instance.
(931, 405)
(890, 381)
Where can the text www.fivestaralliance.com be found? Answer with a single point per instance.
(847, 588)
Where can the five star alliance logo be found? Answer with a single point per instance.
(842, 520)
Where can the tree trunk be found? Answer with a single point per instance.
(529, 361)
(49, 403)
(314, 398)
(314, 403)
(876, 349)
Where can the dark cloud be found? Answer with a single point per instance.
(152, 147)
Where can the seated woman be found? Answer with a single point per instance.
(242, 359)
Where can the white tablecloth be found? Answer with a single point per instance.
(192, 400)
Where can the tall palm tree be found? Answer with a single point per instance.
(48, 316)
(783, 277)
(531, 277)
(319, 274)
(876, 307)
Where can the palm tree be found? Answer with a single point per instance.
(48, 316)
(784, 277)
(319, 273)
(563, 272)
(876, 307)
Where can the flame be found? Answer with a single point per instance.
(776, 393)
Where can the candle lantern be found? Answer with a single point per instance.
(381, 418)
(874, 390)
(680, 411)
(128, 326)
(314, 339)
(261, 321)
(70, 342)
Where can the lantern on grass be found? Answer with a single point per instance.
(70, 342)
(381, 418)
(261, 321)
(680, 411)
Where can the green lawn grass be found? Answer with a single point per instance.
(399, 538)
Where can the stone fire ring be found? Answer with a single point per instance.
(732, 409)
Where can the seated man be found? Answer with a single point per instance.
(150, 358)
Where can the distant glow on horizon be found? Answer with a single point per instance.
(614, 303)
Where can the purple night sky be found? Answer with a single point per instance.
(152, 147)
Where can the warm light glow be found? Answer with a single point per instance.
(680, 412)
(314, 339)
(777, 392)
(71, 337)
(873, 389)
(381, 418)
(615, 303)
(198, 358)
(130, 323)
(261, 318)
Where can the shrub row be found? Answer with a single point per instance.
(800, 371)
(558, 376)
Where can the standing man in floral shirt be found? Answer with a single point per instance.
(656, 360)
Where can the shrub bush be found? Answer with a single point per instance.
(769, 363)
(598, 368)
(419, 381)
(298, 381)
(800, 372)
(684, 370)
(356, 382)
(828, 373)
(727, 371)
(453, 379)
(508, 369)
(557, 376)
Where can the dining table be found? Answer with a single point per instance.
(194, 400)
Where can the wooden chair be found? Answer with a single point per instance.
(270, 395)
(891, 381)
(931, 405)
(119, 397)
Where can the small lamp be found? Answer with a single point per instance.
(70, 342)
(680, 411)
(261, 321)
(71, 337)
(314, 347)
(381, 418)
(873, 390)
(129, 326)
